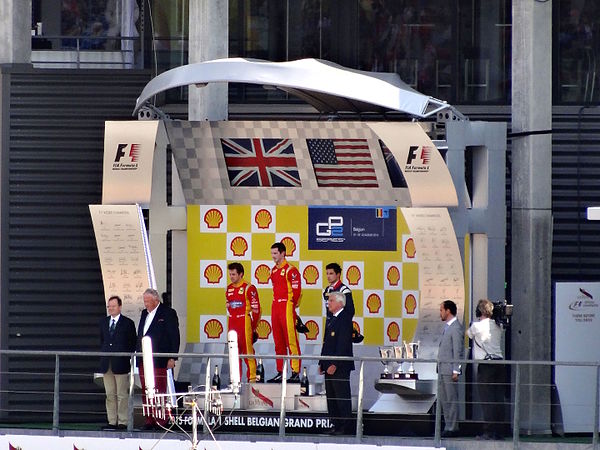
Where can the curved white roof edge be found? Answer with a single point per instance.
(311, 79)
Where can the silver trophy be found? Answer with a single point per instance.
(386, 353)
(400, 353)
(412, 352)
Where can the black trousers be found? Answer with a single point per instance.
(339, 404)
(491, 379)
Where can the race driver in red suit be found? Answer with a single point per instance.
(243, 310)
(285, 279)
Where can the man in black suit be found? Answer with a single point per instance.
(160, 322)
(337, 341)
(117, 334)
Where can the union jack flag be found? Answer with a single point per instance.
(261, 162)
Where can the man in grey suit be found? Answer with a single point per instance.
(451, 347)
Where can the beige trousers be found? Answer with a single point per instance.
(116, 387)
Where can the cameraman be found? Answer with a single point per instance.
(487, 339)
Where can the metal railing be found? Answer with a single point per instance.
(87, 51)
(519, 401)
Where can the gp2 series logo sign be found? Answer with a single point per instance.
(351, 228)
(332, 228)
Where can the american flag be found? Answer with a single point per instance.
(261, 162)
(342, 162)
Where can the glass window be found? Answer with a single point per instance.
(578, 45)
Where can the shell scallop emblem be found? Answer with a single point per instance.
(263, 329)
(353, 275)
(310, 274)
(313, 330)
(213, 218)
(410, 304)
(373, 303)
(263, 219)
(356, 326)
(393, 275)
(409, 248)
(393, 331)
(238, 246)
(290, 246)
(213, 329)
(213, 274)
(262, 274)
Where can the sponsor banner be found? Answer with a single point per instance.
(124, 254)
(352, 228)
(128, 158)
(425, 171)
(238, 422)
(577, 307)
(312, 275)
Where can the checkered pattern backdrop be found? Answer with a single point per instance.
(203, 172)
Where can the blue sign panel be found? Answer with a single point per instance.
(352, 228)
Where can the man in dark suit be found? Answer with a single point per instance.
(452, 346)
(160, 322)
(337, 341)
(117, 334)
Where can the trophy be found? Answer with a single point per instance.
(400, 353)
(411, 351)
(386, 353)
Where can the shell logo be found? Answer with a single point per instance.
(310, 274)
(393, 331)
(213, 274)
(353, 275)
(290, 246)
(238, 246)
(409, 248)
(410, 304)
(213, 329)
(262, 274)
(313, 330)
(373, 303)
(393, 275)
(263, 219)
(263, 329)
(213, 218)
(355, 326)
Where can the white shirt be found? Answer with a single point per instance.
(116, 319)
(338, 312)
(149, 319)
(488, 335)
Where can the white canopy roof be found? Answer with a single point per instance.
(326, 86)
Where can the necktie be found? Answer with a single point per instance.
(112, 327)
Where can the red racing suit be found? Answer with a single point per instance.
(286, 297)
(243, 310)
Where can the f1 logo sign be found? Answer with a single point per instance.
(133, 152)
(333, 227)
(413, 154)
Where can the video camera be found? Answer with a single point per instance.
(501, 314)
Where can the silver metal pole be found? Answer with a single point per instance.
(55, 409)
(130, 399)
(437, 438)
(516, 417)
(359, 408)
(282, 411)
(596, 409)
(78, 55)
(205, 429)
